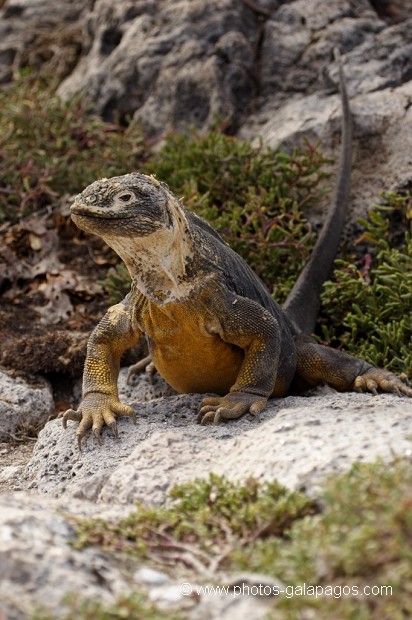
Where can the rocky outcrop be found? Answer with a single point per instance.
(41, 34)
(172, 64)
(264, 67)
(25, 405)
(300, 440)
(38, 565)
(42, 572)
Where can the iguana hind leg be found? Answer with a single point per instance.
(144, 364)
(319, 364)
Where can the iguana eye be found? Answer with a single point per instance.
(125, 197)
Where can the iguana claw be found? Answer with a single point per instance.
(71, 414)
(378, 378)
(233, 405)
(96, 433)
(115, 431)
(95, 411)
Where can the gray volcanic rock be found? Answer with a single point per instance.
(298, 442)
(38, 565)
(24, 406)
(265, 67)
(176, 64)
(41, 34)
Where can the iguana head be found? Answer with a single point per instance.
(146, 225)
(131, 205)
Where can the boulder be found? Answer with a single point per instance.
(172, 65)
(42, 572)
(40, 34)
(298, 442)
(39, 567)
(25, 405)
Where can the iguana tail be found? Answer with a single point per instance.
(303, 302)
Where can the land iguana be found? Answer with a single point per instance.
(211, 325)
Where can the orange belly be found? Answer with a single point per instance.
(186, 355)
(204, 369)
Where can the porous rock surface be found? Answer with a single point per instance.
(38, 565)
(41, 571)
(24, 405)
(40, 33)
(298, 442)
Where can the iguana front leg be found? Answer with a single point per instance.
(246, 324)
(100, 403)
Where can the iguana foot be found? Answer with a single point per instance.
(95, 410)
(144, 364)
(376, 379)
(233, 405)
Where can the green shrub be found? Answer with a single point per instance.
(49, 147)
(135, 606)
(207, 514)
(359, 538)
(367, 306)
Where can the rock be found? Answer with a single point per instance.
(263, 67)
(141, 389)
(166, 596)
(10, 473)
(65, 467)
(40, 568)
(24, 406)
(150, 576)
(299, 441)
(174, 64)
(297, 76)
(38, 564)
(228, 607)
(40, 34)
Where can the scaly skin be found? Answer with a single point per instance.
(211, 325)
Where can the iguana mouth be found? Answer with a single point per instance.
(85, 212)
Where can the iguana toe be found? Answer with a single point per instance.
(233, 405)
(85, 423)
(376, 379)
(114, 428)
(95, 411)
(210, 416)
(139, 367)
(96, 433)
(71, 414)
